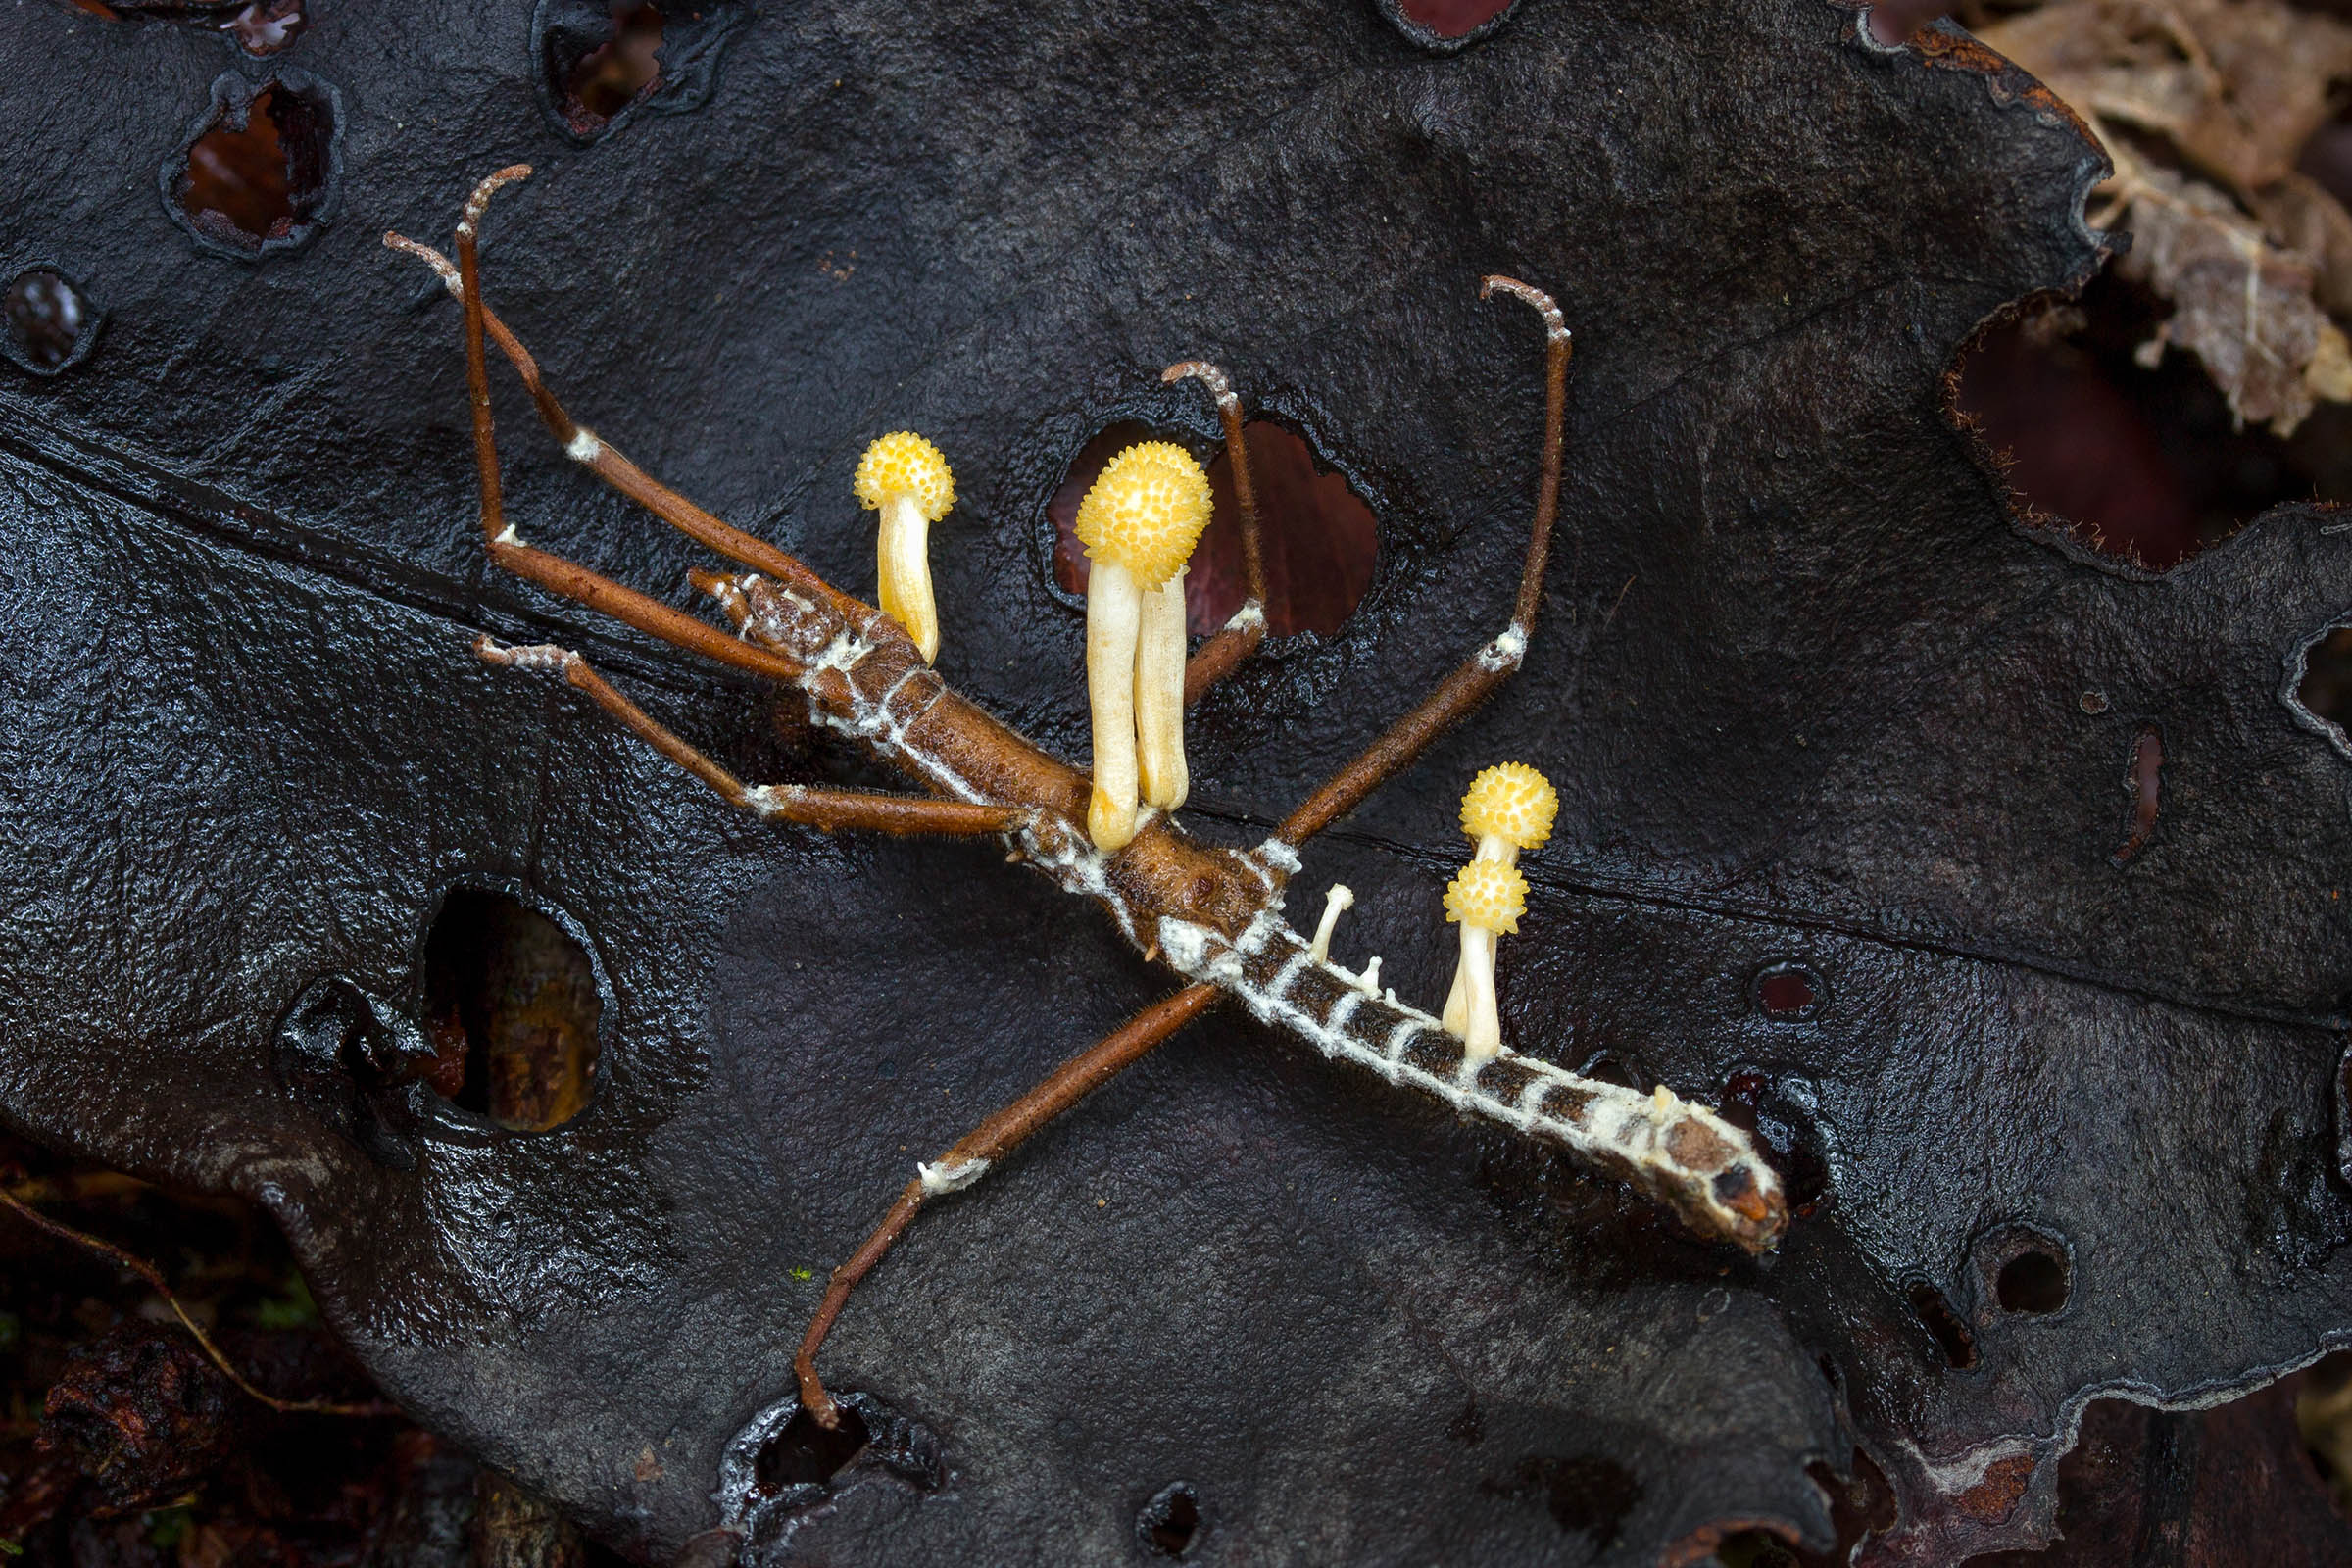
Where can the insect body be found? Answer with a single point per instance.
(1214, 917)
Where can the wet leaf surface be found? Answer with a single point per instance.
(1812, 698)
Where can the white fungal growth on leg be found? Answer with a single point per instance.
(546, 657)
(1139, 523)
(583, 447)
(1341, 896)
(766, 800)
(949, 1175)
(1685, 1154)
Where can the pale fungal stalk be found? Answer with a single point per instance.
(906, 480)
(1341, 896)
(1113, 619)
(1508, 808)
(1139, 523)
(1486, 898)
(1159, 696)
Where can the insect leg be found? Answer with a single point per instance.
(463, 280)
(1478, 675)
(972, 1154)
(1238, 637)
(808, 804)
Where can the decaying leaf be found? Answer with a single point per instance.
(1994, 882)
(2244, 306)
(2312, 226)
(2234, 87)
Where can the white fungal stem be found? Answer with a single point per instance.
(1159, 696)
(1113, 616)
(1341, 896)
(1480, 1022)
(1457, 1013)
(904, 571)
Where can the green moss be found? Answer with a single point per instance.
(292, 1308)
(165, 1527)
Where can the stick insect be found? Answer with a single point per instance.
(1214, 917)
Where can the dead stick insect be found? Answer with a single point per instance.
(1212, 915)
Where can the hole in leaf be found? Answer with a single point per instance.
(50, 323)
(1452, 19)
(511, 993)
(1316, 536)
(1609, 1070)
(1788, 993)
(2144, 779)
(258, 27)
(1755, 1549)
(806, 1454)
(1587, 1495)
(1893, 22)
(2034, 1281)
(257, 177)
(2325, 689)
(2324, 1415)
(594, 83)
(1748, 1102)
(1169, 1523)
(1936, 1315)
(264, 26)
(2146, 465)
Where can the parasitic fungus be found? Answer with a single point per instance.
(1486, 898)
(1508, 808)
(1139, 523)
(905, 477)
(1340, 896)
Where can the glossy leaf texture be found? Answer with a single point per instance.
(1825, 716)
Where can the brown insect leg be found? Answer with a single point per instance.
(990, 1141)
(1239, 637)
(1479, 674)
(583, 445)
(808, 804)
(553, 572)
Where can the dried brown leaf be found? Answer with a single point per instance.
(2236, 86)
(2306, 220)
(2240, 304)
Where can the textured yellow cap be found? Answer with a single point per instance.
(1145, 512)
(902, 463)
(1513, 802)
(1487, 894)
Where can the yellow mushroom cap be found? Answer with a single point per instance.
(1145, 512)
(1512, 801)
(903, 463)
(1489, 895)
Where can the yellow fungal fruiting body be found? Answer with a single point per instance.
(903, 463)
(1145, 512)
(1511, 801)
(904, 478)
(1488, 895)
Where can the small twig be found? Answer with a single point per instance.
(75, 1186)
(155, 1277)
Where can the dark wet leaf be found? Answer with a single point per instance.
(1816, 704)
